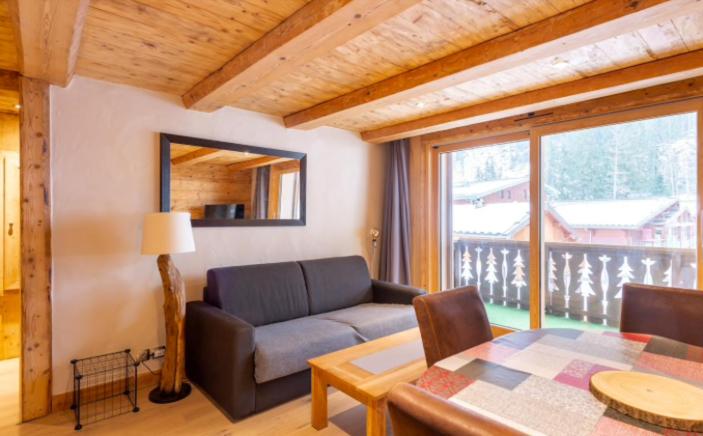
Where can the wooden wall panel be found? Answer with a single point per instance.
(35, 167)
(9, 132)
(10, 332)
(193, 186)
(424, 251)
(8, 48)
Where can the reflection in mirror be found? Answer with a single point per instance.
(240, 184)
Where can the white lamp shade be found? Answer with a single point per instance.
(167, 233)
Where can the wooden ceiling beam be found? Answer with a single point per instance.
(48, 35)
(666, 93)
(665, 70)
(197, 156)
(310, 32)
(256, 163)
(592, 22)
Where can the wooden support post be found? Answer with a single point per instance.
(35, 234)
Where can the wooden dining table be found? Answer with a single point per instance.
(537, 381)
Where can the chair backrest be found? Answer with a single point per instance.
(336, 283)
(415, 412)
(259, 294)
(451, 321)
(669, 312)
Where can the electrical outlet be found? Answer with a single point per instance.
(158, 352)
(152, 353)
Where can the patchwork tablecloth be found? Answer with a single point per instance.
(537, 381)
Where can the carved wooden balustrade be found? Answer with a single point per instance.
(580, 281)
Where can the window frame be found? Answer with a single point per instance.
(535, 134)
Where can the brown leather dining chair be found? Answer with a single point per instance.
(415, 412)
(669, 312)
(451, 321)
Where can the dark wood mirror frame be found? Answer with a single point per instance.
(166, 139)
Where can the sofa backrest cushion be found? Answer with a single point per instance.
(337, 282)
(259, 294)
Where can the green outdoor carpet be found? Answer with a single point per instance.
(520, 319)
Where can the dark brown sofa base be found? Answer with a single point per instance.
(220, 331)
(281, 390)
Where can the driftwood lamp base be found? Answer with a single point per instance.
(160, 397)
(172, 387)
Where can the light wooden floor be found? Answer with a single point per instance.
(9, 391)
(196, 415)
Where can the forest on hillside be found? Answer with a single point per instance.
(641, 159)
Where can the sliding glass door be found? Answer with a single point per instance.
(618, 202)
(485, 226)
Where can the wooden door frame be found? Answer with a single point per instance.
(534, 132)
(35, 251)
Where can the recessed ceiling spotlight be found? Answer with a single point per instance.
(420, 104)
(18, 106)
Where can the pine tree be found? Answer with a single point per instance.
(551, 278)
(518, 276)
(585, 283)
(504, 274)
(647, 262)
(567, 281)
(491, 277)
(667, 274)
(625, 275)
(604, 284)
(478, 268)
(466, 273)
(695, 275)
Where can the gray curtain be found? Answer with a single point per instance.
(395, 235)
(261, 196)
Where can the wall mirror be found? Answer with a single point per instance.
(227, 184)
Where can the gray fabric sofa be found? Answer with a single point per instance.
(248, 342)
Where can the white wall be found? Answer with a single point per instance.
(106, 296)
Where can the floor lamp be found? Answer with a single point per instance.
(167, 233)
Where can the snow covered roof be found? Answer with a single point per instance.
(616, 214)
(491, 220)
(476, 190)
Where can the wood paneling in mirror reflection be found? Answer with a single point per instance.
(193, 186)
(202, 176)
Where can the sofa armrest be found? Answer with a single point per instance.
(386, 292)
(220, 357)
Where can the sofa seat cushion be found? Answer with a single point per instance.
(284, 348)
(373, 320)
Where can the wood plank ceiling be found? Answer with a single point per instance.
(173, 45)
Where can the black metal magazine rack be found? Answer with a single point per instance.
(104, 386)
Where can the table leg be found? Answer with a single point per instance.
(376, 418)
(319, 400)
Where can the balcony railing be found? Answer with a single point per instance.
(580, 281)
